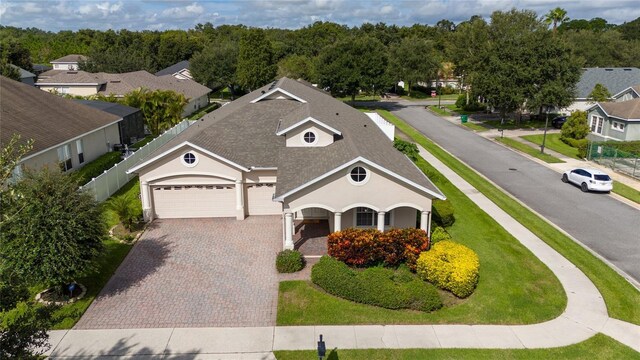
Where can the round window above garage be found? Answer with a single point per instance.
(309, 138)
(358, 175)
(189, 159)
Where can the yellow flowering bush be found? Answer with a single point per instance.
(450, 266)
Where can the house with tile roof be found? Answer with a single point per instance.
(616, 80)
(292, 150)
(82, 83)
(66, 133)
(178, 71)
(615, 120)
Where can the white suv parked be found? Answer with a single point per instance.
(589, 179)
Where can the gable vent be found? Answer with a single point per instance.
(608, 69)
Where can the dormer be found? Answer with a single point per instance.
(308, 132)
(276, 93)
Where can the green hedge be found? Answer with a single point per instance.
(97, 167)
(443, 213)
(377, 286)
(439, 234)
(289, 261)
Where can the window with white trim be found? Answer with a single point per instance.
(80, 151)
(309, 137)
(358, 174)
(368, 217)
(596, 124)
(615, 125)
(189, 159)
(64, 157)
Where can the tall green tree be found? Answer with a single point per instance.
(599, 93)
(556, 16)
(215, 66)
(297, 67)
(353, 65)
(413, 60)
(255, 60)
(54, 232)
(161, 109)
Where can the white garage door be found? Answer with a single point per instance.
(194, 201)
(259, 200)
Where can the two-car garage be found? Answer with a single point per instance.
(197, 201)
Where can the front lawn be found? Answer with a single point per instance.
(439, 111)
(554, 143)
(626, 191)
(598, 347)
(475, 127)
(515, 144)
(622, 298)
(514, 286)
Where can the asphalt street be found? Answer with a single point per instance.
(602, 223)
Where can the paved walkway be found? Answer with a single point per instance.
(584, 316)
(194, 273)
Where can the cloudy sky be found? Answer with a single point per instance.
(55, 15)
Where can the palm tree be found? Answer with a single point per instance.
(555, 16)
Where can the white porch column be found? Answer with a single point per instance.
(147, 213)
(337, 221)
(288, 230)
(424, 221)
(381, 220)
(239, 200)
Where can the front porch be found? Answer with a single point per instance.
(307, 229)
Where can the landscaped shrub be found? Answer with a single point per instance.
(366, 247)
(97, 167)
(581, 145)
(450, 266)
(289, 261)
(439, 234)
(408, 148)
(443, 213)
(376, 286)
(576, 127)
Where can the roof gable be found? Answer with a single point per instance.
(309, 120)
(626, 110)
(614, 79)
(278, 93)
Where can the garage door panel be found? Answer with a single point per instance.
(260, 200)
(194, 201)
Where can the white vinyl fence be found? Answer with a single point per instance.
(113, 179)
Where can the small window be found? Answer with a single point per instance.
(369, 217)
(190, 159)
(64, 157)
(358, 174)
(309, 137)
(80, 150)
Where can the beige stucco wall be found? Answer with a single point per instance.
(195, 104)
(404, 217)
(73, 89)
(94, 145)
(260, 176)
(294, 137)
(380, 192)
(172, 170)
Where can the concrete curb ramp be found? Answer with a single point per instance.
(585, 316)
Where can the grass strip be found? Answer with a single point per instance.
(626, 191)
(599, 347)
(621, 298)
(515, 144)
(554, 143)
(475, 127)
(439, 111)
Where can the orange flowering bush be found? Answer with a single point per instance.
(367, 247)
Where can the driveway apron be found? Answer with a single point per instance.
(194, 273)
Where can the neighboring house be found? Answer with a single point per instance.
(614, 79)
(287, 149)
(131, 125)
(83, 83)
(629, 93)
(618, 121)
(69, 62)
(26, 77)
(65, 133)
(39, 68)
(179, 71)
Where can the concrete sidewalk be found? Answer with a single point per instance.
(585, 315)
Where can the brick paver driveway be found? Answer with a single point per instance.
(194, 273)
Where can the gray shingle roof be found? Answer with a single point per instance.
(629, 109)
(111, 108)
(614, 79)
(69, 59)
(46, 118)
(244, 133)
(174, 68)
